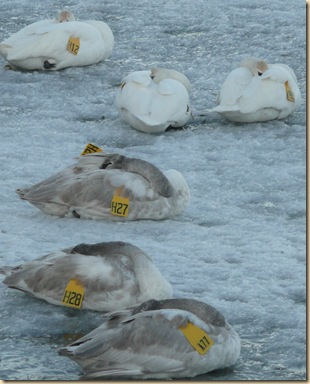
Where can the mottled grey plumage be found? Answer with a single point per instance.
(148, 342)
(114, 275)
(86, 189)
(202, 310)
(156, 178)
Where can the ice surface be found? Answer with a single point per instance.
(240, 245)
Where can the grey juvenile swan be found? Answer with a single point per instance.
(173, 338)
(115, 187)
(103, 277)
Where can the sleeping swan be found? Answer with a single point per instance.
(101, 277)
(257, 91)
(151, 101)
(62, 16)
(111, 186)
(173, 338)
(55, 44)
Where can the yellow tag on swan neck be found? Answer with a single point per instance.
(90, 148)
(198, 338)
(74, 294)
(289, 92)
(119, 204)
(73, 45)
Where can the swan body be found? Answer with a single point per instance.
(149, 342)
(151, 101)
(257, 92)
(110, 276)
(114, 187)
(53, 45)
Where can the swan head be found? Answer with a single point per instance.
(159, 74)
(64, 16)
(114, 161)
(261, 67)
(256, 66)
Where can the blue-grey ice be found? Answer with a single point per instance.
(240, 245)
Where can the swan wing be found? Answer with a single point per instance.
(155, 104)
(270, 91)
(51, 41)
(30, 29)
(107, 279)
(153, 344)
(233, 87)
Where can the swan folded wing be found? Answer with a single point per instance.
(286, 68)
(30, 29)
(43, 44)
(107, 281)
(139, 365)
(135, 100)
(233, 88)
(139, 78)
(219, 342)
(51, 41)
(276, 73)
(144, 343)
(170, 86)
(137, 95)
(40, 277)
(263, 92)
(168, 103)
(284, 76)
(15, 274)
(90, 189)
(175, 317)
(52, 185)
(85, 190)
(155, 104)
(61, 180)
(74, 28)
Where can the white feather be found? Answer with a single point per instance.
(151, 101)
(247, 97)
(46, 42)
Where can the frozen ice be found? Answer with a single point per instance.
(239, 246)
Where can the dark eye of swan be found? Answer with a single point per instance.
(105, 165)
(259, 73)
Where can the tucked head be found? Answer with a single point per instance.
(64, 16)
(261, 67)
(114, 161)
(159, 74)
(256, 66)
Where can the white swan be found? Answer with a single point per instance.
(115, 187)
(174, 338)
(62, 16)
(257, 91)
(54, 44)
(151, 101)
(102, 277)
